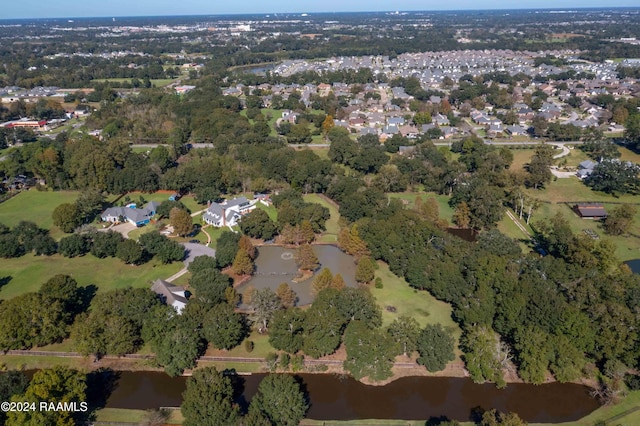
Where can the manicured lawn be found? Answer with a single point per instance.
(29, 272)
(605, 414)
(35, 206)
(445, 211)
(332, 225)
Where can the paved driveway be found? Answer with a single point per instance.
(123, 228)
(194, 250)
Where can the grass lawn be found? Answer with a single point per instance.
(215, 234)
(520, 158)
(605, 414)
(35, 206)
(627, 246)
(628, 155)
(271, 211)
(29, 272)
(260, 349)
(332, 226)
(120, 415)
(572, 189)
(445, 211)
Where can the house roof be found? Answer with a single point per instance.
(587, 164)
(591, 210)
(170, 293)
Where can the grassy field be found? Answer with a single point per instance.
(332, 225)
(605, 415)
(35, 206)
(157, 82)
(29, 272)
(408, 301)
(520, 158)
(446, 212)
(260, 350)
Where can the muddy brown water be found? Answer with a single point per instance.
(333, 397)
(276, 264)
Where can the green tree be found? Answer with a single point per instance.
(370, 352)
(208, 399)
(539, 166)
(210, 286)
(435, 346)
(222, 327)
(227, 248)
(620, 219)
(365, 270)
(73, 245)
(66, 217)
(12, 383)
(615, 177)
(181, 221)
(257, 224)
(280, 399)
(180, 345)
(57, 384)
(484, 355)
(286, 330)
(129, 251)
(264, 303)
(404, 331)
(105, 244)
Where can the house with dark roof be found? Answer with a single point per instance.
(170, 294)
(131, 214)
(229, 212)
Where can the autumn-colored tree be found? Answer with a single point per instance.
(338, 282)
(462, 215)
(288, 234)
(323, 280)
(287, 295)
(306, 258)
(349, 241)
(181, 221)
(247, 296)
(231, 296)
(246, 245)
(242, 264)
(327, 124)
(306, 232)
(430, 211)
(364, 270)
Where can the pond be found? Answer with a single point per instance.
(335, 397)
(634, 265)
(275, 265)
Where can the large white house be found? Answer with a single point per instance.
(229, 212)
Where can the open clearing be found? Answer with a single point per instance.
(29, 272)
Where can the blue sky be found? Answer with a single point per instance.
(90, 8)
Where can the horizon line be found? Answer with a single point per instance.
(308, 14)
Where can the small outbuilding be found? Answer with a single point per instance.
(590, 210)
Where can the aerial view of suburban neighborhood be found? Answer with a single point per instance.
(321, 217)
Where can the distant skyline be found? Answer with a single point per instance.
(115, 8)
